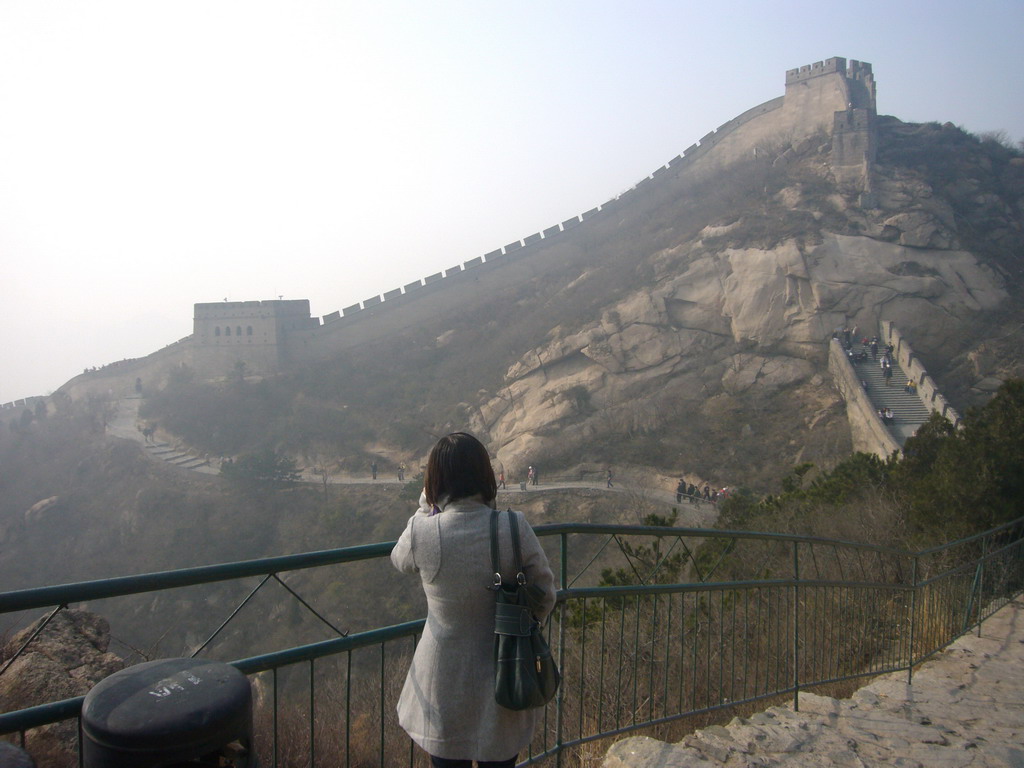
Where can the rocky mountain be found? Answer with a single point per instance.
(726, 335)
(681, 328)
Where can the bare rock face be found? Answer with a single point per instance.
(40, 508)
(736, 321)
(918, 229)
(65, 660)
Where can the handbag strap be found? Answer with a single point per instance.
(495, 560)
(516, 549)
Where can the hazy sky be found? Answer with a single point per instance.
(158, 154)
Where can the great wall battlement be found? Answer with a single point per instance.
(817, 99)
(828, 98)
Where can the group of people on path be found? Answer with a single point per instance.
(400, 471)
(846, 337)
(695, 494)
(691, 491)
(883, 355)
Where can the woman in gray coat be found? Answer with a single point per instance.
(447, 705)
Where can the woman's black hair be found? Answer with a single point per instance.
(459, 467)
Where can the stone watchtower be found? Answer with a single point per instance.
(255, 333)
(853, 125)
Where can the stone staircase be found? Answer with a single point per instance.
(910, 410)
(165, 452)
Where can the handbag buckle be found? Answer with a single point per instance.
(521, 579)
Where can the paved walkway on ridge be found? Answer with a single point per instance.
(126, 420)
(964, 708)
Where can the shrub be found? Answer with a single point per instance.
(265, 465)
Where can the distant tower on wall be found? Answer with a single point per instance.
(256, 333)
(853, 124)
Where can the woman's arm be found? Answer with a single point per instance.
(535, 562)
(402, 555)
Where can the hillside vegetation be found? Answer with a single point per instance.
(130, 514)
(81, 505)
(687, 336)
(949, 484)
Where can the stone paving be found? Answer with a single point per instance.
(964, 708)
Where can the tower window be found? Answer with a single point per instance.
(216, 331)
(248, 330)
(227, 330)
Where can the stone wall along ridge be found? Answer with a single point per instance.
(720, 147)
(24, 402)
(869, 434)
(399, 294)
(677, 165)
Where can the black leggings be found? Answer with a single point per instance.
(444, 762)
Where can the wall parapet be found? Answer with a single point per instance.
(927, 389)
(22, 403)
(869, 433)
(529, 245)
(672, 168)
(817, 69)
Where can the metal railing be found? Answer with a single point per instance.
(653, 625)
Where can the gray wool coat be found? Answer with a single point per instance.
(447, 704)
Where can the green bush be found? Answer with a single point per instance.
(265, 465)
(948, 483)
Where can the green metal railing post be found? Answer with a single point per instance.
(981, 582)
(796, 627)
(563, 579)
(913, 618)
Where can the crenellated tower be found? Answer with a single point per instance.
(853, 126)
(255, 333)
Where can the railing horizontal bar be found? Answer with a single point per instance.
(855, 584)
(969, 539)
(63, 594)
(33, 717)
(43, 714)
(551, 529)
(853, 676)
(641, 589)
(336, 645)
(965, 569)
(945, 576)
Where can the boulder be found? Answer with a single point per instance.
(68, 656)
(920, 229)
(40, 508)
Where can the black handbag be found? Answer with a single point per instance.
(525, 674)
